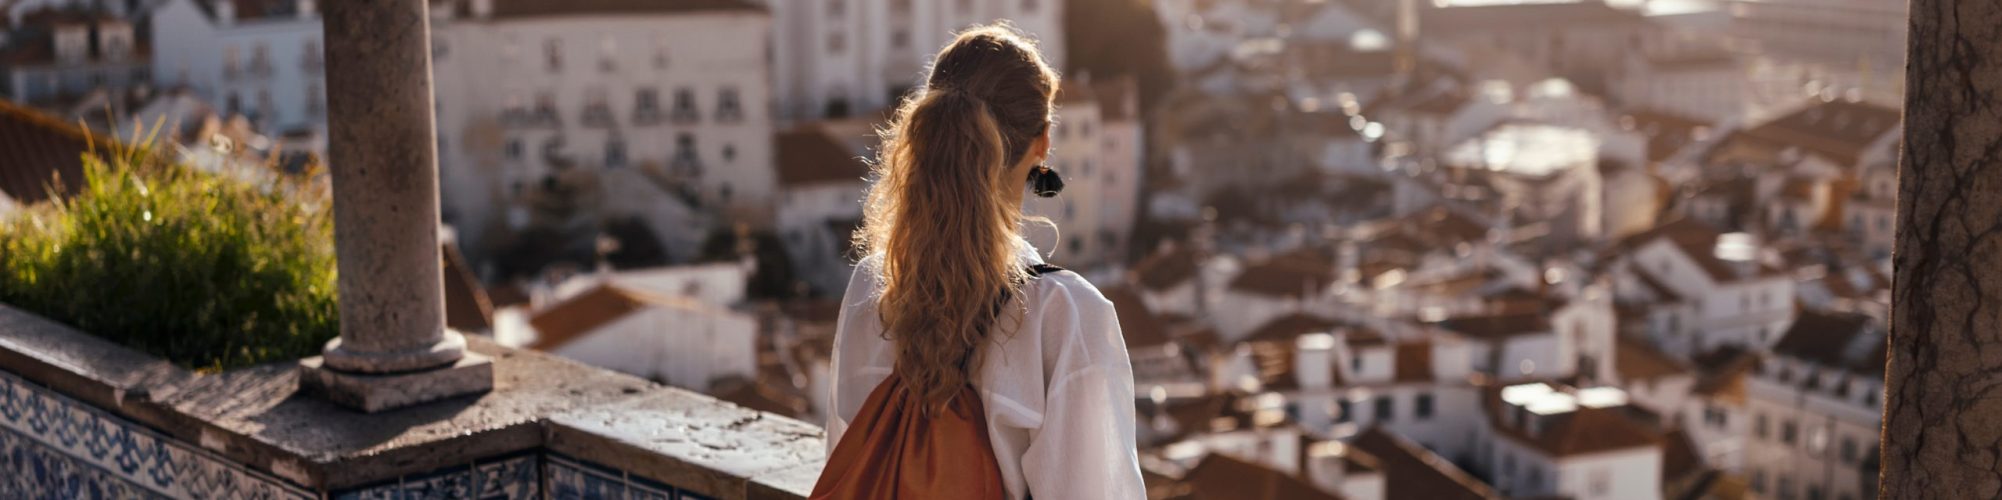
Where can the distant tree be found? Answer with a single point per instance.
(1114, 38)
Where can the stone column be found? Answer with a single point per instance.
(394, 349)
(1943, 396)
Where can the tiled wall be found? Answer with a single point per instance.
(54, 447)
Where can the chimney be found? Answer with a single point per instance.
(225, 12)
(483, 8)
(1407, 38)
(1313, 361)
(308, 9)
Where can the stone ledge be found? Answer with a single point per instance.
(739, 451)
(258, 417)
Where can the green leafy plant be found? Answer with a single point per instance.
(212, 271)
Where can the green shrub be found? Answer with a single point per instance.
(210, 271)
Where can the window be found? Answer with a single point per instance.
(545, 105)
(1601, 483)
(1077, 245)
(1386, 408)
(729, 153)
(900, 6)
(1759, 427)
(260, 59)
(264, 104)
(646, 102)
(684, 105)
(608, 53)
(438, 48)
(1788, 431)
(552, 54)
(837, 8)
(1814, 492)
(314, 60)
(315, 103)
(1342, 411)
(1848, 450)
(685, 161)
(1786, 488)
(836, 108)
(836, 43)
(615, 153)
(1421, 406)
(1758, 481)
(1029, 5)
(552, 152)
(230, 65)
(233, 104)
(728, 107)
(900, 37)
(1355, 364)
(514, 149)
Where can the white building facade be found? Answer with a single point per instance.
(675, 92)
(260, 59)
(837, 58)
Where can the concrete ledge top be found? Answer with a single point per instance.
(742, 453)
(258, 416)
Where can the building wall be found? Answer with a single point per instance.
(1824, 424)
(1632, 474)
(1751, 313)
(283, 92)
(860, 54)
(681, 347)
(803, 216)
(1710, 93)
(493, 75)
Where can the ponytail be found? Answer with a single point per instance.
(940, 214)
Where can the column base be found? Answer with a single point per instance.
(375, 392)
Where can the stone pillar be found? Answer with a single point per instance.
(394, 349)
(1942, 406)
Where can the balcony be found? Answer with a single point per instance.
(79, 410)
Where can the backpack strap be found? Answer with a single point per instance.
(1038, 270)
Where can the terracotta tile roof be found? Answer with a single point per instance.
(1723, 372)
(567, 321)
(1139, 325)
(38, 153)
(1285, 329)
(504, 9)
(1691, 60)
(1491, 17)
(1679, 457)
(1637, 359)
(1837, 130)
(467, 308)
(808, 155)
(1411, 471)
(1666, 133)
(1414, 362)
(1499, 326)
(1293, 275)
(1698, 241)
(1118, 98)
(1580, 432)
(507, 294)
(1845, 341)
(1220, 477)
(1167, 268)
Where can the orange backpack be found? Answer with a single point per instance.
(893, 450)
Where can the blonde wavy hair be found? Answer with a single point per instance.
(937, 213)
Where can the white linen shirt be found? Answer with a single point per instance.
(1054, 379)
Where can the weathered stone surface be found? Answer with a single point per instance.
(382, 156)
(256, 416)
(472, 374)
(662, 433)
(1942, 434)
